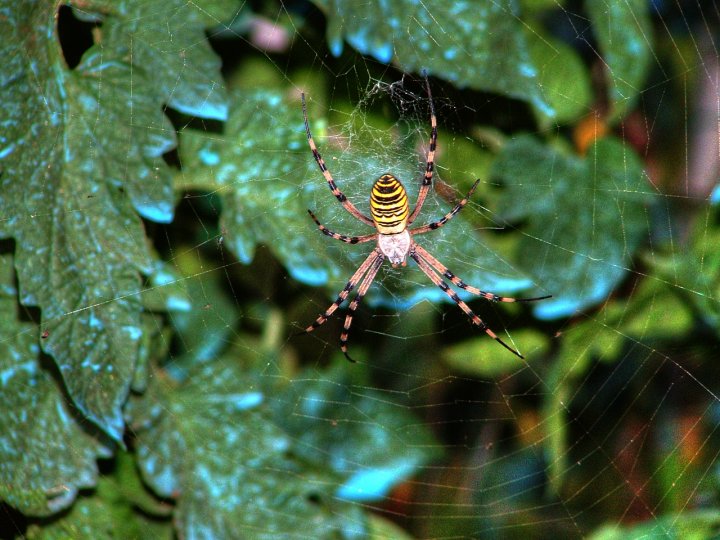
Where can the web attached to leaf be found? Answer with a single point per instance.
(169, 353)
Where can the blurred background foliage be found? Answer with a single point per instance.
(157, 262)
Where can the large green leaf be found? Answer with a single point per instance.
(208, 326)
(624, 35)
(255, 169)
(479, 356)
(694, 271)
(46, 457)
(110, 511)
(585, 217)
(167, 41)
(690, 525)
(212, 444)
(337, 421)
(564, 78)
(77, 235)
(81, 154)
(479, 46)
(321, 417)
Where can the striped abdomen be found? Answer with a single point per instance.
(389, 205)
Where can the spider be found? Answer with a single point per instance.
(391, 216)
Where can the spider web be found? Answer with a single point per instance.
(236, 426)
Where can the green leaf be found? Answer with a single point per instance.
(46, 456)
(166, 290)
(655, 312)
(481, 356)
(212, 444)
(254, 169)
(585, 217)
(479, 46)
(205, 329)
(128, 489)
(153, 348)
(383, 529)
(76, 173)
(168, 44)
(694, 273)
(563, 77)
(78, 253)
(539, 6)
(328, 417)
(624, 35)
(691, 525)
(109, 512)
(593, 339)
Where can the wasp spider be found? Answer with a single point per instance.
(391, 216)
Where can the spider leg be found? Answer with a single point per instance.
(364, 286)
(430, 165)
(447, 217)
(342, 237)
(349, 286)
(350, 207)
(442, 269)
(477, 321)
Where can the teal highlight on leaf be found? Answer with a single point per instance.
(208, 157)
(565, 306)
(247, 400)
(715, 195)
(213, 111)
(158, 212)
(527, 70)
(336, 46)
(556, 308)
(310, 276)
(372, 484)
(28, 368)
(433, 294)
(88, 103)
(93, 366)
(163, 479)
(95, 322)
(163, 278)
(133, 332)
(177, 303)
(5, 152)
(380, 49)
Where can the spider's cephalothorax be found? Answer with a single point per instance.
(391, 217)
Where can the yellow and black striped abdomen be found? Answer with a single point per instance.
(389, 205)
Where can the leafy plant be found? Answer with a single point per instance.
(156, 255)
